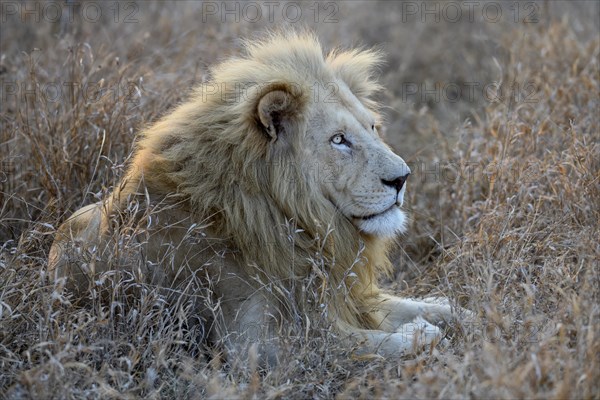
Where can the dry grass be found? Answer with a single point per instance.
(505, 203)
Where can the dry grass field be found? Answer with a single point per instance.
(495, 109)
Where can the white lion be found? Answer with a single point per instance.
(281, 134)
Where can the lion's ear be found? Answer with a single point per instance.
(276, 110)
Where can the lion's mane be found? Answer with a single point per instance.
(212, 154)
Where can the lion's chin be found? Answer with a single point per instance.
(387, 224)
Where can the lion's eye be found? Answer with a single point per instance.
(339, 139)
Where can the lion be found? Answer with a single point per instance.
(284, 138)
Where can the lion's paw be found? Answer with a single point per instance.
(420, 333)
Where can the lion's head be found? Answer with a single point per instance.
(339, 145)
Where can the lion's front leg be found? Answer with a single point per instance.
(407, 338)
(395, 312)
(247, 318)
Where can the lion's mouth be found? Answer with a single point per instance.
(371, 216)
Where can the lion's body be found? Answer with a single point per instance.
(238, 187)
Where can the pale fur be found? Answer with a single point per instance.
(251, 171)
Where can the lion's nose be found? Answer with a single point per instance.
(396, 183)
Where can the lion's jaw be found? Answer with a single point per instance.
(363, 178)
(388, 223)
